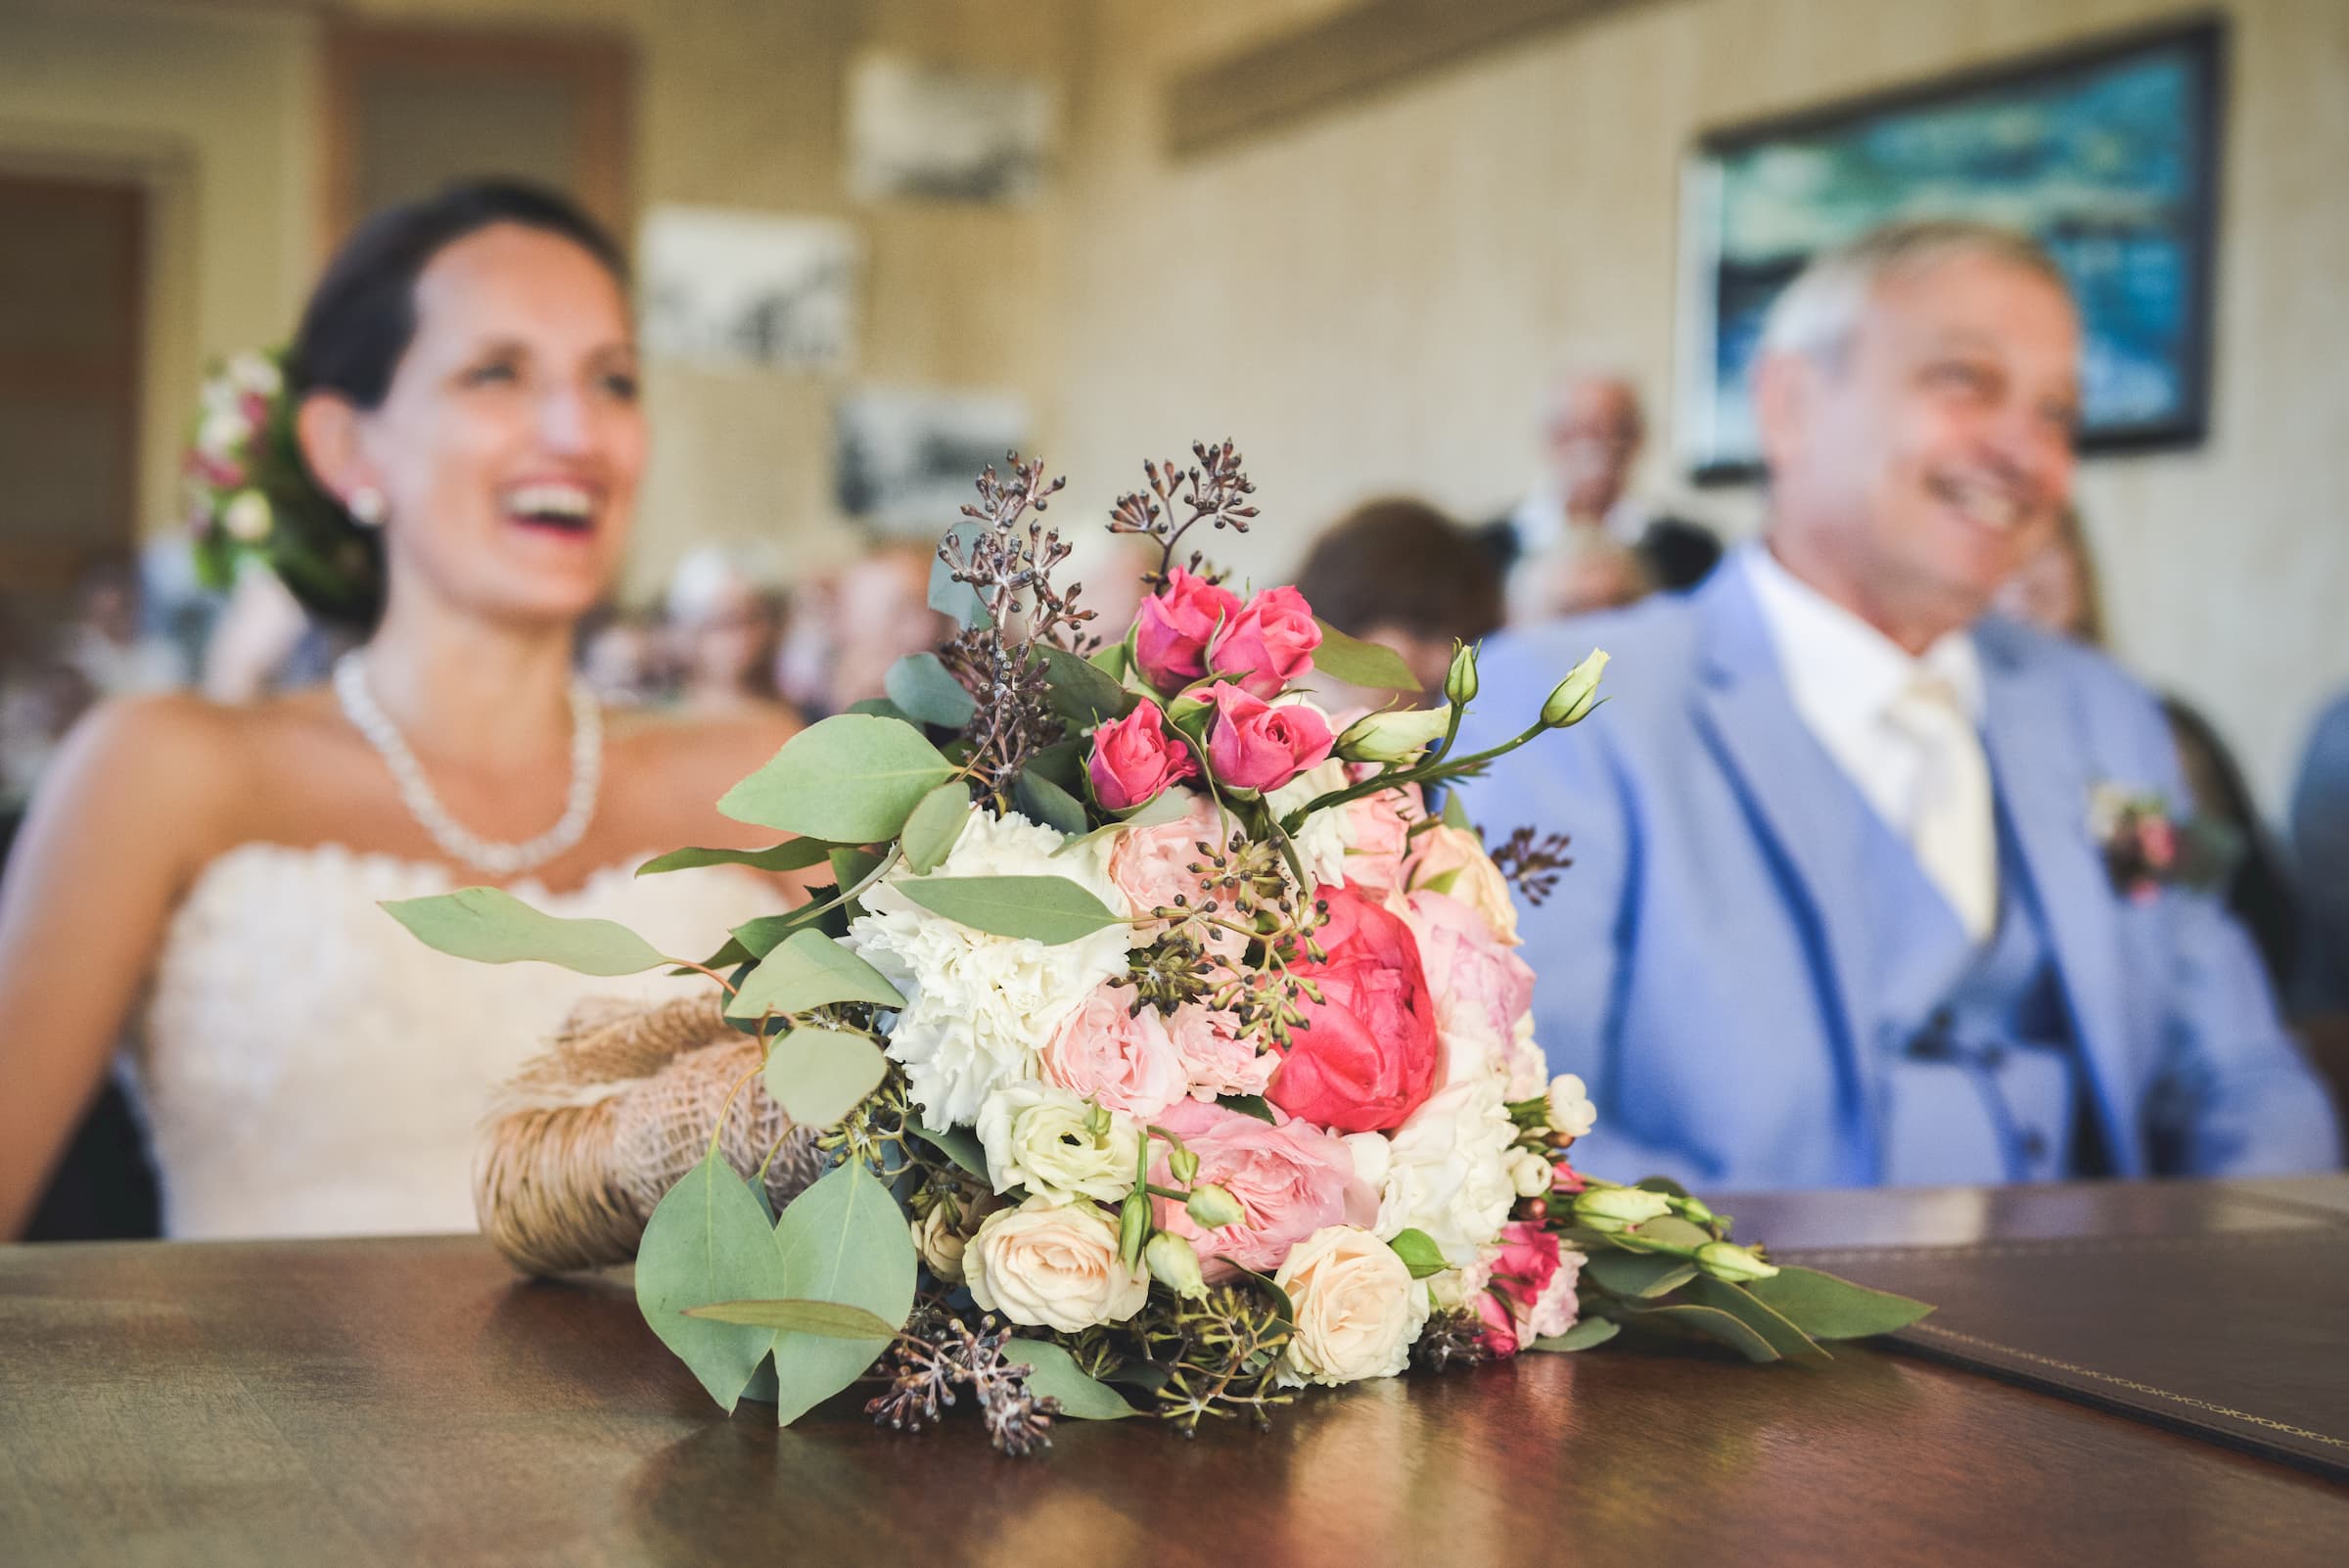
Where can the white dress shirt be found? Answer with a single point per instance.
(1539, 520)
(1847, 681)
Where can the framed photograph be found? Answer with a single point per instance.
(742, 289)
(903, 457)
(2107, 153)
(936, 133)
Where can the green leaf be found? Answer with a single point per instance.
(824, 1318)
(1663, 1184)
(709, 1241)
(763, 934)
(795, 856)
(1042, 801)
(809, 970)
(1062, 762)
(1443, 881)
(851, 779)
(1112, 660)
(878, 707)
(852, 865)
(1455, 815)
(1825, 1307)
(949, 597)
(819, 1075)
(923, 688)
(935, 823)
(1362, 663)
(1083, 693)
(492, 926)
(844, 1240)
(958, 1144)
(1255, 1105)
(1641, 1274)
(1669, 1230)
(1053, 1370)
(1784, 1337)
(1049, 909)
(1585, 1333)
(1419, 1253)
(1708, 1322)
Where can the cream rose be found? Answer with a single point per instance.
(1358, 1308)
(1053, 1265)
(1047, 1139)
(1452, 861)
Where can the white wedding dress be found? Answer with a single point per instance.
(307, 1068)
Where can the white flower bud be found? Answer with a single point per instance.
(247, 518)
(1174, 1265)
(1570, 1109)
(1528, 1173)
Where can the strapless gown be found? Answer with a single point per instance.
(306, 1068)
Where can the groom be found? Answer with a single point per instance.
(1838, 913)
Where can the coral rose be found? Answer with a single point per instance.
(1363, 1057)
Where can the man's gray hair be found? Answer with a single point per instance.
(1820, 310)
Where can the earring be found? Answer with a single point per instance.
(366, 507)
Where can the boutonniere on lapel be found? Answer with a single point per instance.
(2146, 848)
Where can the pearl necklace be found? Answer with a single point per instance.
(456, 841)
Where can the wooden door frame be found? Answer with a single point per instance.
(603, 65)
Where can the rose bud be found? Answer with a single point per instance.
(1575, 696)
(1253, 745)
(1175, 624)
(1269, 644)
(1135, 759)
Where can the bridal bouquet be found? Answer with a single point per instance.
(1171, 1052)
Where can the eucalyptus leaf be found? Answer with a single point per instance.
(923, 688)
(1255, 1105)
(709, 1241)
(1419, 1253)
(1825, 1307)
(1640, 1274)
(1048, 909)
(879, 708)
(492, 926)
(809, 970)
(1663, 1184)
(1756, 1314)
(1083, 693)
(1042, 801)
(1585, 1333)
(1356, 662)
(763, 934)
(844, 1240)
(1708, 1322)
(936, 824)
(1062, 762)
(1053, 1370)
(795, 856)
(819, 1075)
(957, 1143)
(851, 779)
(1112, 660)
(826, 1319)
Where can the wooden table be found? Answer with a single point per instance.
(411, 1401)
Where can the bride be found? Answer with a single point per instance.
(467, 383)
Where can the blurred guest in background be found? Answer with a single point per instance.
(1400, 573)
(2320, 829)
(621, 652)
(2058, 590)
(881, 613)
(109, 643)
(724, 624)
(465, 376)
(1838, 913)
(1584, 572)
(1592, 439)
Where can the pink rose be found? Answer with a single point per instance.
(1269, 644)
(1175, 624)
(1363, 1057)
(1216, 1057)
(1253, 745)
(1481, 989)
(1290, 1181)
(1456, 858)
(1152, 867)
(1567, 1179)
(1126, 1061)
(1379, 826)
(1534, 1281)
(1498, 1329)
(1134, 758)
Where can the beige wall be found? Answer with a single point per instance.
(1395, 282)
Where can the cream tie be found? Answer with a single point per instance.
(1951, 825)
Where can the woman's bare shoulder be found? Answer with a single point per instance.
(183, 753)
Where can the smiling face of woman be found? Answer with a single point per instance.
(510, 443)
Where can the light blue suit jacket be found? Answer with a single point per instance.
(1705, 964)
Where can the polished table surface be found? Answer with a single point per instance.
(411, 1401)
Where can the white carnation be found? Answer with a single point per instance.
(1447, 1169)
(978, 1007)
(1325, 838)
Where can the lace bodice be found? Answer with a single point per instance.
(308, 1068)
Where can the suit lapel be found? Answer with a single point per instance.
(2043, 779)
(1808, 811)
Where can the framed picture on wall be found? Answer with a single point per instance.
(2107, 153)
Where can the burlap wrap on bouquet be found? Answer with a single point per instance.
(583, 1141)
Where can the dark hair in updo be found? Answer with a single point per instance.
(361, 318)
